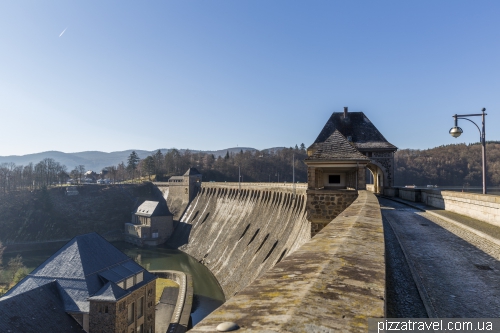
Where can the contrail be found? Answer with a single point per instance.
(62, 32)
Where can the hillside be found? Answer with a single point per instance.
(97, 160)
(42, 215)
(450, 165)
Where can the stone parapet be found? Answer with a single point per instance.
(333, 283)
(256, 186)
(484, 207)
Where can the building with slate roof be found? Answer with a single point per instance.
(364, 138)
(86, 286)
(152, 224)
(347, 146)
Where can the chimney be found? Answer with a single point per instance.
(345, 111)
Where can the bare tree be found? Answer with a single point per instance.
(81, 172)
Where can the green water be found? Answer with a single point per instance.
(207, 293)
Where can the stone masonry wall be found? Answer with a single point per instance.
(325, 205)
(148, 319)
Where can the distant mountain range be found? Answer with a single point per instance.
(97, 160)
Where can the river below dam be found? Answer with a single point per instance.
(208, 295)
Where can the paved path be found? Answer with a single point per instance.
(165, 309)
(457, 272)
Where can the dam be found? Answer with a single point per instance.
(249, 229)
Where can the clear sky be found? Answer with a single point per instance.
(210, 74)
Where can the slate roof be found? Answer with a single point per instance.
(191, 172)
(110, 292)
(81, 268)
(152, 208)
(37, 310)
(357, 126)
(336, 147)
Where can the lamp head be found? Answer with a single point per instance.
(455, 131)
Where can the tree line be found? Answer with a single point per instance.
(448, 165)
(275, 165)
(253, 166)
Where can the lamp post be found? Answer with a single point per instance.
(455, 132)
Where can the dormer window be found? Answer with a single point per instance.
(129, 283)
(139, 277)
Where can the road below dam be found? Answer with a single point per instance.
(239, 234)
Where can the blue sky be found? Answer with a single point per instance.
(216, 74)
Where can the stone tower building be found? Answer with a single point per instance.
(348, 145)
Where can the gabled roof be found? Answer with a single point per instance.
(110, 292)
(152, 208)
(79, 269)
(37, 310)
(357, 126)
(192, 172)
(336, 147)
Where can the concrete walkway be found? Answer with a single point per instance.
(455, 268)
(165, 308)
(484, 229)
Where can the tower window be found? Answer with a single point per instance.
(334, 179)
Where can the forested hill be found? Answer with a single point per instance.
(450, 165)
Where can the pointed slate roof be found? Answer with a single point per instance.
(191, 172)
(153, 208)
(110, 292)
(80, 270)
(358, 127)
(45, 313)
(336, 147)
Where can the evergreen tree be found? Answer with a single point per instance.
(132, 162)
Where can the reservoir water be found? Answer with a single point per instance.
(208, 295)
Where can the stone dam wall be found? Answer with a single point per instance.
(241, 234)
(484, 207)
(333, 283)
(175, 196)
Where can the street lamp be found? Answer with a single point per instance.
(455, 132)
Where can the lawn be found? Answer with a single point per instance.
(161, 284)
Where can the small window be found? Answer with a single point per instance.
(130, 282)
(130, 315)
(140, 307)
(334, 179)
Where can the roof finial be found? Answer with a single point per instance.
(345, 111)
